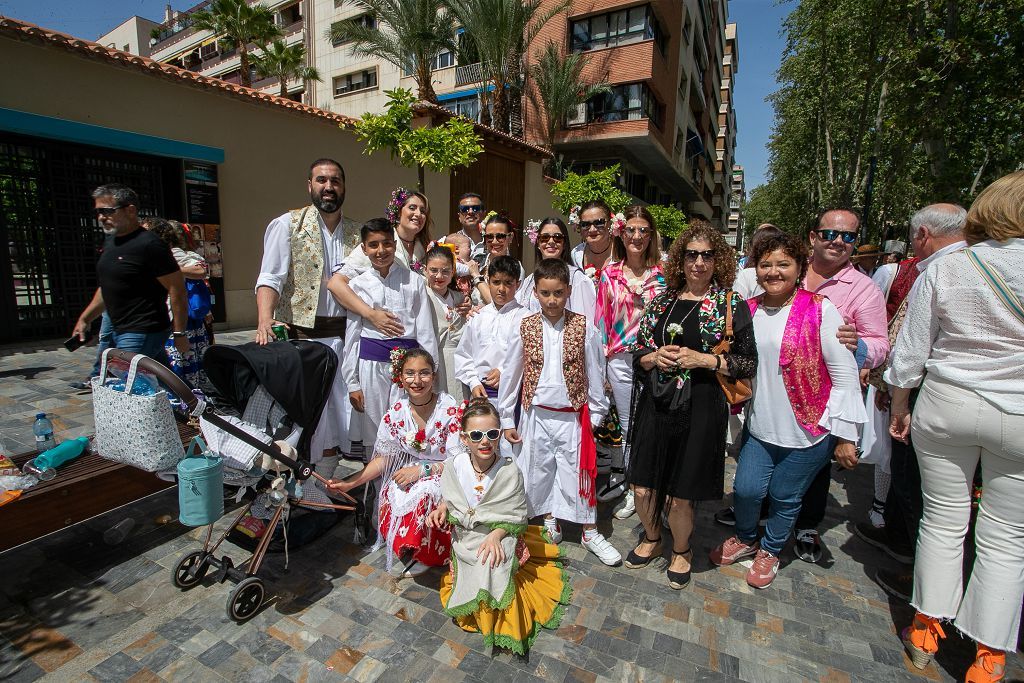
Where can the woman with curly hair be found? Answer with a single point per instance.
(679, 413)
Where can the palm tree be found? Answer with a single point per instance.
(502, 30)
(238, 23)
(285, 62)
(408, 34)
(558, 88)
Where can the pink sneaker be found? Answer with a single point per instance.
(732, 550)
(764, 569)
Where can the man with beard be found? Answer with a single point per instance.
(136, 274)
(301, 249)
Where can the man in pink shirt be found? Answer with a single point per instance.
(862, 305)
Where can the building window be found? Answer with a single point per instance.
(621, 27)
(365, 20)
(629, 102)
(468, 106)
(360, 80)
(442, 60)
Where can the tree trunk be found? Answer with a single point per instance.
(424, 85)
(243, 64)
(515, 107)
(485, 108)
(500, 121)
(284, 85)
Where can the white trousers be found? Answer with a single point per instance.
(379, 394)
(953, 430)
(620, 376)
(333, 429)
(550, 463)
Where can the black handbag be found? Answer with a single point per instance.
(669, 393)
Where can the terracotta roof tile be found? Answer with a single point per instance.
(20, 30)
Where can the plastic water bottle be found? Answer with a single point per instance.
(43, 429)
(144, 386)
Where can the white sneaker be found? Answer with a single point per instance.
(600, 546)
(627, 508)
(554, 531)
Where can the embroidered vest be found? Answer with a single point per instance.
(804, 372)
(574, 357)
(301, 291)
(906, 275)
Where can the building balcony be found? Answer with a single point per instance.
(466, 75)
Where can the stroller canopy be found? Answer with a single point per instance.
(297, 374)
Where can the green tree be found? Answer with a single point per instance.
(558, 88)
(408, 34)
(890, 104)
(578, 189)
(285, 62)
(501, 31)
(669, 220)
(238, 24)
(439, 148)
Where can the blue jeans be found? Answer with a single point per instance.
(147, 343)
(783, 474)
(106, 340)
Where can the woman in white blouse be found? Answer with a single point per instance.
(806, 404)
(963, 335)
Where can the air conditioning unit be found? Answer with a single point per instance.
(578, 117)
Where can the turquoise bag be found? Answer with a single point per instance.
(200, 485)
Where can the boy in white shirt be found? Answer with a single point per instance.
(554, 368)
(481, 350)
(389, 286)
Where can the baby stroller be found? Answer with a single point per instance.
(291, 382)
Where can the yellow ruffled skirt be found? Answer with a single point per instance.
(541, 592)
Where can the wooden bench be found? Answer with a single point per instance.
(82, 489)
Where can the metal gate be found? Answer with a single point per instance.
(52, 237)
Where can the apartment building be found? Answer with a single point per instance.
(175, 41)
(131, 35)
(661, 121)
(668, 120)
(737, 195)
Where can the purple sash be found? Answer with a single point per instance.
(380, 349)
(491, 392)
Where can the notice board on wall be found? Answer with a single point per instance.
(202, 205)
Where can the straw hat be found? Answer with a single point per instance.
(867, 251)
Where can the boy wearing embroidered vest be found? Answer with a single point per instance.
(392, 287)
(553, 371)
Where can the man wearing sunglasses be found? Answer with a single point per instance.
(137, 275)
(862, 306)
(470, 212)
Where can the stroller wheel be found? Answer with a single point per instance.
(246, 598)
(186, 573)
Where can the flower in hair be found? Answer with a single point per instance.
(532, 230)
(489, 216)
(394, 209)
(447, 245)
(396, 356)
(574, 217)
(618, 225)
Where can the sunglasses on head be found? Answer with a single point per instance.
(108, 210)
(471, 207)
(550, 237)
(692, 254)
(596, 223)
(497, 236)
(830, 235)
(477, 435)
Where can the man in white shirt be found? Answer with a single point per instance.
(936, 230)
(481, 351)
(470, 214)
(301, 249)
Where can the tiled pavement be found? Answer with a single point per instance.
(73, 608)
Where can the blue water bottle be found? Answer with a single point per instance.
(43, 429)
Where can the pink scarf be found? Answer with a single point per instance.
(804, 372)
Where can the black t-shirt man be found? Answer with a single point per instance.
(127, 272)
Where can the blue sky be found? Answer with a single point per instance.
(758, 25)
